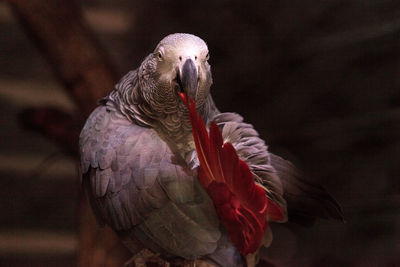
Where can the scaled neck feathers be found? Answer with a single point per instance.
(167, 116)
(128, 99)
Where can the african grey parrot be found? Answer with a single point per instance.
(139, 161)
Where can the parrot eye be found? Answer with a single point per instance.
(208, 56)
(159, 55)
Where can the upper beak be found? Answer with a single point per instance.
(189, 78)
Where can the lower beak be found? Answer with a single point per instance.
(189, 78)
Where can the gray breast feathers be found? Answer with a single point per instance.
(135, 186)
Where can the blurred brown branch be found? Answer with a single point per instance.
(57, 29)
(57, 125)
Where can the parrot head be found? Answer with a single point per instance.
(179, 64)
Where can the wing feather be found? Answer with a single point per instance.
(282, 181)
(252, 149)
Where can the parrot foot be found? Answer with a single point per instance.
(145, 256)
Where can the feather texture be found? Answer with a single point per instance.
(134, 186)
(240, 203)
(256, 155)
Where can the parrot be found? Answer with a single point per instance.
(176, 178)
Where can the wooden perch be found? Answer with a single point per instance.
(58, 30)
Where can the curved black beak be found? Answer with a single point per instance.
(189, 78)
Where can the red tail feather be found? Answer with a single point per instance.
(240, 203)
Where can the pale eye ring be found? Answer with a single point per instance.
(208, 56)
(159, 55)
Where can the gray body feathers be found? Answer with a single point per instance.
(138, 163)
(152, 199)
(137, 188)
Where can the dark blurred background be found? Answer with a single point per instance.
(318, 79)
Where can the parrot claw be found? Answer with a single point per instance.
(145, 256)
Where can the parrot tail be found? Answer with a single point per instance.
(241, 204)
(306, 201)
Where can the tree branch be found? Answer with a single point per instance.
(58, 30)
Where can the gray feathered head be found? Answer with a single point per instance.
(178, 64)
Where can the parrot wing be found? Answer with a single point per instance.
(283, 182)
(135, 186)
(241, 204)
(252, 149)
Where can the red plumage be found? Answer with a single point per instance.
(241, 204)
